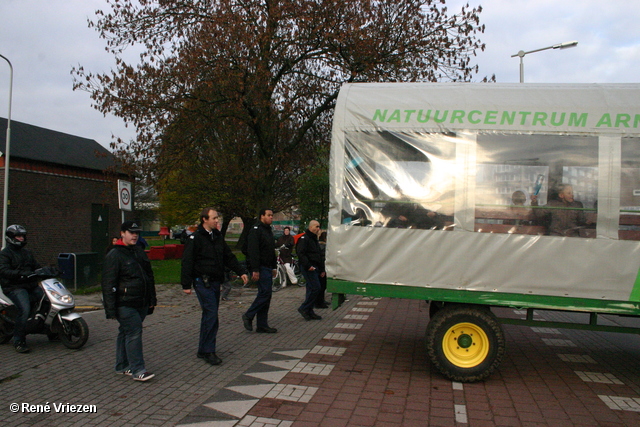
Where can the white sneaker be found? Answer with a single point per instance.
(143, 376)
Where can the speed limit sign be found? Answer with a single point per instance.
(124, 195)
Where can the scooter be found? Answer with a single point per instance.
(53, 315)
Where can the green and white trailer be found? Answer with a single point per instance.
(431, 199)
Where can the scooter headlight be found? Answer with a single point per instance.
(67, 299)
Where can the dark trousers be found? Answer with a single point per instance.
(129, 341)
(313, 289)
(209, 301)
(22, 299)
(260, 306)
(323, 287)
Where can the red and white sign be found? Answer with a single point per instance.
(125, 198)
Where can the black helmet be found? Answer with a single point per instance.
(12, 232)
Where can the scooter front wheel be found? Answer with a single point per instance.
(73, 334)
(6, 331)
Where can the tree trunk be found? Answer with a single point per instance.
(247, 223)
(225, 225)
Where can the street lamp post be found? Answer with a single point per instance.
(6, 154)
(522, 53)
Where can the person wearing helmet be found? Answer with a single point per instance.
(16, 265)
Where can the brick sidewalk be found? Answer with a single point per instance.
(52, 373)
(371, 370)
(362, 365)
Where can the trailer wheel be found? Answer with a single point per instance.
(434, 307)
(465, 344)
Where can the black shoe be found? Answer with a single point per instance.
(315, 316)
(304, 314)
(212, 359)
(323, 305)
(201, 355)
(247, 322)
(21, 347)
(266, 330)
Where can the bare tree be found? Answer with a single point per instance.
(238, 94)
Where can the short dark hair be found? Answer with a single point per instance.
(263, 212)
(563, 186)
(287, 228)
(205, 214)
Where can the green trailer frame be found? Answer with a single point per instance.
(530, 303)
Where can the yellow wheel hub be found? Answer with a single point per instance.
(465, 345)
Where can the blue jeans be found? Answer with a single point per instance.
(209, 301)
(313, 290)
(129, 341)
(22, 299)
(260, 306)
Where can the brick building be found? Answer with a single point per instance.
(62, 188)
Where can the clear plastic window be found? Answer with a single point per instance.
(524, 184)
(537, 184)
(629, 228)
(399, 180)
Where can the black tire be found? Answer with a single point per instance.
(302, 282)
(434, 307)
(6, 323)
(6, 331)
(73, 334)
(465, 343)
(279, 280)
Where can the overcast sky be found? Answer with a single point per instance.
(44, 39)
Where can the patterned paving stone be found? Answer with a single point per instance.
(339, 337)
(598, 377)
(251, 421)
(283, 364)
(622, 403)
(330, 351)
(235, 408)
(274, 376)
(294, 393)
(461, 414)
(313, 368)
(348, 326)
(257, 390)
(576, 358)
(298, 354)
(558, 342)
(545, 330)
(356, 317)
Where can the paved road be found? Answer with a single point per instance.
(362, 365)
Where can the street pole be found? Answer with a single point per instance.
(5, 207)
(522, 53)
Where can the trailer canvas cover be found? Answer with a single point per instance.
(432, 187)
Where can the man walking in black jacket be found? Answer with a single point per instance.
(262, 263)
(129, 295)
(312, 266)
(203, 263)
